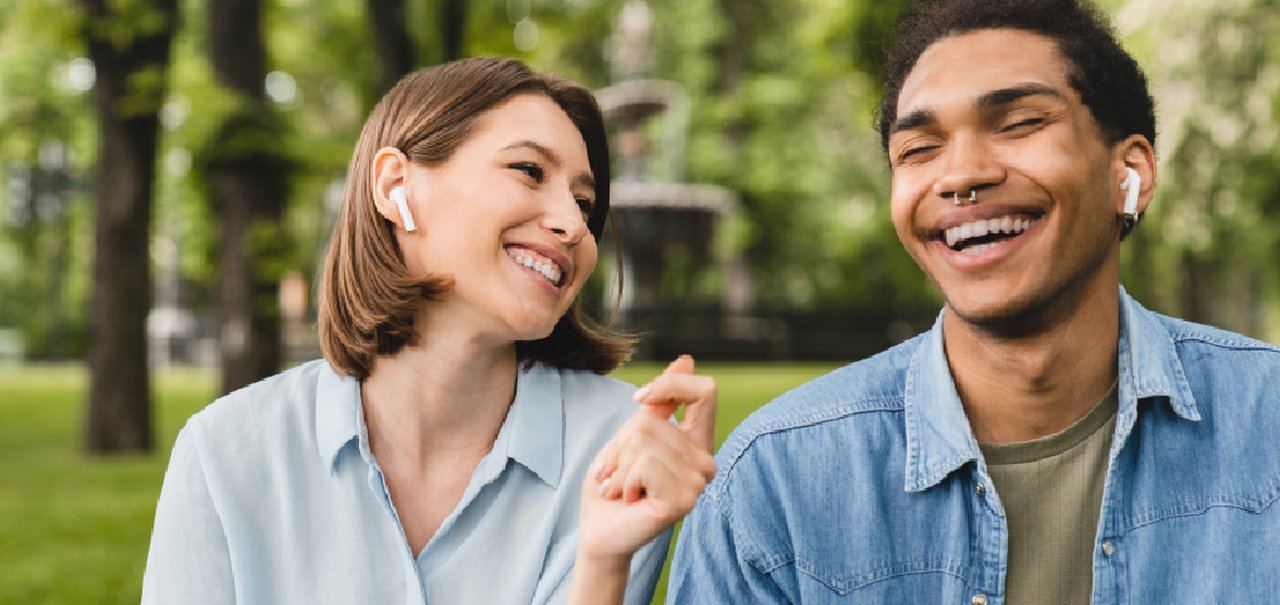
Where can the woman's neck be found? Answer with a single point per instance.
(447, 394)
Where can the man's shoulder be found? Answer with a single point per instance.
(1187, 333)
(871, 383)
(857, 397)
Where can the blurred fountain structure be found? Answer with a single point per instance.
(667, 227)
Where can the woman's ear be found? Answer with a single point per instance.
(390, 182)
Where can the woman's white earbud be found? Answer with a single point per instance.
(397, 196)
(1131, 185)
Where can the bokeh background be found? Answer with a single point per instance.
(169, 171)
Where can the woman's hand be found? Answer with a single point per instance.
(647, 477)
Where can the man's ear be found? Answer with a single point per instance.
(1135, 153)
(390, 187)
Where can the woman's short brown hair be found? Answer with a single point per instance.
(367, 299)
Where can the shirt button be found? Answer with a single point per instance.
(982, 491)
(979, 599)
(1108, 548)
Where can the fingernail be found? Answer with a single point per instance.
(595, 469)
(642, 393)
(604, 487)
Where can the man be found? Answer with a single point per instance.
(1049, 440)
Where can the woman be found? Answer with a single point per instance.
(439, 452)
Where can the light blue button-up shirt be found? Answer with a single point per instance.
(867, 485)
(272, 496)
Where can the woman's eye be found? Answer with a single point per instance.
(534, 171)
(585, 205)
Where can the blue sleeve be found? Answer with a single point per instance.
(189, 561)
(710, 564)
(646, 566)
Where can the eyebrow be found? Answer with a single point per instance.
(995, 98)
(585, 179)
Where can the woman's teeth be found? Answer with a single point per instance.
(546, 268)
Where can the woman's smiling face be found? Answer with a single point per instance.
(505, 219)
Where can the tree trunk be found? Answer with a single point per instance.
(119, 415)
(248, 185)
(391, 40)
(453, 28)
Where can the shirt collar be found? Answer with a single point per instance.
(536, 423)
(337, 413)
(1149, 362)
(939, 438)
(533, 432)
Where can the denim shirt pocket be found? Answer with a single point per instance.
(923, 579)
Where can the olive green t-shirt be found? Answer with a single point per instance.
(1051, 489)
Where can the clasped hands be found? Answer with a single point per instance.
(650, 474)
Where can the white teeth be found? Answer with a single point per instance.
(548, 270)
(1004, 224)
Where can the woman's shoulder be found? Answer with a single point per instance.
(594, 403)
(261, 415)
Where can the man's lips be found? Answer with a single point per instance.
(961, 229)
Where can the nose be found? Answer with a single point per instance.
(564, 219)
(969, 167)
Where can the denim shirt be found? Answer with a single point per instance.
(867, 485)
(273, 496)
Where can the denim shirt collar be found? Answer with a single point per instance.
(532, 433)
(940, 440)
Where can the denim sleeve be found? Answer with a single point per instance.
(709, 565)
(188, 561)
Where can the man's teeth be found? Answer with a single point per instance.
(548, 269)
(1011, 225)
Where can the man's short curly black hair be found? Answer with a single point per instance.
(1107, 78)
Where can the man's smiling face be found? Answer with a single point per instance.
(992, 112)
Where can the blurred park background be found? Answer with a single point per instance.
(169, 171)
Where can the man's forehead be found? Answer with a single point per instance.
(962, 67)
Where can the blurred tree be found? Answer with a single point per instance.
(129, 44)
(453, 28)
(1208, 246)
(387, 20)
(46, 132)
(247, 172)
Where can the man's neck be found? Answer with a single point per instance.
(1018, 388)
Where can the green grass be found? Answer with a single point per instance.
(75, 529)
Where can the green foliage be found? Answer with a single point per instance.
(781, 95)
(1207, 247)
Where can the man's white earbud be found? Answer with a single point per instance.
(397, 196)
(1131, 185)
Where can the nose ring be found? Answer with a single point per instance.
(973, 197)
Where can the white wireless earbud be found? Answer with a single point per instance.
(1131, 185)
(397, 196)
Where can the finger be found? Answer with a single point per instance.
(633, 486)
(606, 460)
(669, 485)
(699, 395)
(668, 445)
(683, 364)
